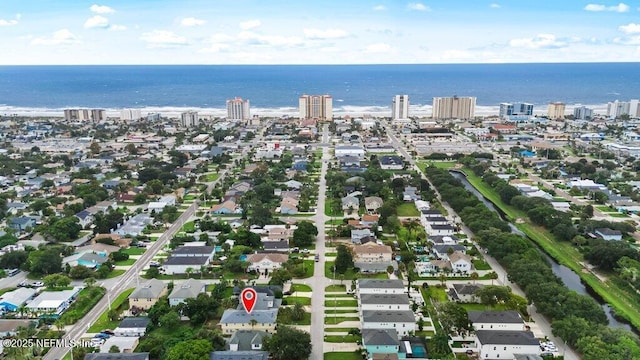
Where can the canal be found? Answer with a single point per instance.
(570, 279)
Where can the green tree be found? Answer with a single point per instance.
(199, 309)
(298, 312)
(280, 277)
(305, 234)
(190, 350)
(13, 259)
(44, 262)
(491, 295)
(169, 320)
(56, 281)
(114, 349)
(454, 317)
(95, 148)
(289, 344)
(344, 259)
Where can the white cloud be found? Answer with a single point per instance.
(419, 7)
(271, 40)
(97, 21)
(324, 34)
(494, 6)
(250, 24)
(117, 28)
(631, 28)
(540, 41)
(101, 9)
(11, 22)
(60, 37)
(191, 21)
(621, 8)
(630, 40)
(163, 39)
(379, 8)
(378, 48)
(214, 48)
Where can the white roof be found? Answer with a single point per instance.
(52, 299)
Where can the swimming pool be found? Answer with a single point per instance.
(418, 351)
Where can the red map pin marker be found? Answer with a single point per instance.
(248, 296)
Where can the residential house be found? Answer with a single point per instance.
(194, 251)
(443, 240)
(442, 251)
(380, 286)
(293, 185)
(247, 340)
(233, 320)
(384, 302)
(410, 194)
(358, 234)
(276, 246)
(391, 162)
(10, 327)
(608, 234)
(132, 326)
(239, 355)
(504, 344)
(52, 303)
(124, 344)
(184, 264)
(382, 341)
(507, 320)
(266, 299)
(88, 259)
(134, 226)
(300, 165)
(402, 321)
(350, 203)
(13, 300)
(372, 252)
(289, 206)
(444, 230)
(373, 203)
(369, 220)
(147, 294)
(99, 249)
(189, 289)
(227, 207)
(460, 262)
(465, 293)
(266, 263)
(23, 223)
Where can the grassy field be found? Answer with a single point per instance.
(87, 299)
(212, 177)
(342, 338)
(327, 208)
(340, 303)
(292, 300)
(331, 296)
(103, 321)
(340, 311)
(115, 273)
(337, 329)
(437, 294)
(624, 304)
(480, 265)
(350, 274)
(127, 262)
(480, 307)
(335, 288)
(134, 251)
(300, 287)
(407, 209)
(423, 164)
(335, 222)
(333, 320)
(306, 320)
(308, 269)
(189, 227)
(344, 355)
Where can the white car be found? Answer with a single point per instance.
(97, 342)
(38, 284)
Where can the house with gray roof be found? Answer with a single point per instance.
(402, 321)
(147, 294)
(350, 203)
(492, 344)
(380, 286)
(247, 340)
(181, 264)
(381, 341)
(239, 355)
(264, 301)
(233, 320)
(465, 293)
(507, 320)
(12, 300)
(189, 289)
(132, 326)
(384, 302)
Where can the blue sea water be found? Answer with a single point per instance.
(279, 86)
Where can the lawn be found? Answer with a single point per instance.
(127, 262)
(350, 274)
(335, 288)
(189, 227)
(340, 303)
(437, 294)
(333, 320)
(423, 164)
(7, 290)
(134, 251)
(331, 254)
(337, 329)
(292, 300)
(189, 198)
(342, 338)
(115, 273)
(481, 307)
(327, 208)
(308, 268)
(344, 355)
(306, 320)
(103, 321)
(212, 177)
(340, 311)
(300, 287)
(407, 209)
(480, 265)
(87, 299)
(335, 222)
(331, 296)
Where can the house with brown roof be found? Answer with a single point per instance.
(372, 252)
(227, 207)
(373, 203)
(266, 263)
(460, 262)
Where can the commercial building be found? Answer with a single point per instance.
(400, 107)
(316, 107)
(52, 303)
(238, 109)
(515, 109)
(555, 110)
(582, 113)
(190, 119)
(454, 107)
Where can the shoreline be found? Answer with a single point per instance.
(424, 111)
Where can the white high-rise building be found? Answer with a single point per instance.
(454, 107)
(582, 113)
(555, 110)
(130, 114)
(634, 108)
(316, 107)
(190, 119)
(617, 108)
(98, 115)
(95, 115)
(400, 107)
(238, 109)
(515, 109)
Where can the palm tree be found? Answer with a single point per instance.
(189, 271)
(443, 279)
(253, 323)
(474, 276)
(90, 281)
(493, 276)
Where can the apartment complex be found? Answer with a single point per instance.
(316, 107)
(190, 119)
(582, 113)
(617, 108)
(238, 109)
(556, 110)
(130, 114)
(515, 109)
(454, 107)
(95, 115)
(400, 107)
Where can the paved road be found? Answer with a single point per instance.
(540, 320)
(13, 281)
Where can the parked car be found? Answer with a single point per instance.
(23, 283)
(102, 336)
(154, 264)
(108, 332)
(317, 257)
(38, 284)
(97, 342)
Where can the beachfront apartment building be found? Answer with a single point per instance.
(95, 115)
(238, 109)
(400, 107)
(555, 110)
(453, 107)
(617, 108)
(189, 119)
(515, 109)
(582, 113)
(130, 114)
(316, 107)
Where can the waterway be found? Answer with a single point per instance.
(569, 278)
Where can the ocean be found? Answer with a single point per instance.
(274, 89)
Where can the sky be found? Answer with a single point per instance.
(70, 32)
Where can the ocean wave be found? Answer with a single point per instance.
(418, 110)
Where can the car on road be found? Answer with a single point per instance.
(317, 257)
(38, 284)
(23, 283)
(154, 264)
